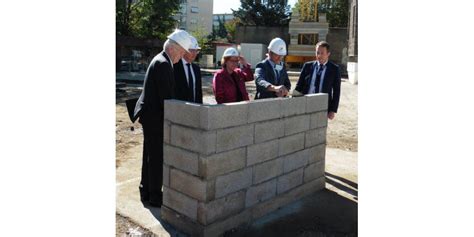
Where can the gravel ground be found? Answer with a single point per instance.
(341, 133)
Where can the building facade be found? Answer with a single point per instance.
(195, 14)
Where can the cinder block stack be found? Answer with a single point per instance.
(226, 165)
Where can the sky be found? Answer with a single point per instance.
(224, 6)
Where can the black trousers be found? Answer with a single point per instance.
(152, 166)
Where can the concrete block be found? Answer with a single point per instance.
(192, 186)
(315, 137)
(293, 106)
(218, 228)
(233, 182)
(166, 175)
(318, 120)
(224, 115)
(269, 130)
(299, 192)
(296, 124)
(235, 137)
(314, 171)
(260, 193)
(221, 208)
(166, 132)
(221, 163)
(267, 170)
(181, 222)
(296, 160)
(262, 152)
(181, 159)
(290, 180)
(184, 113)
(291, 144)
(317, 153)
(264, 109)
(180, 203)
(316, 102)
(195, 140)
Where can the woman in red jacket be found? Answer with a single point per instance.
(229, 82)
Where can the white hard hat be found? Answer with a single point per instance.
(182, 38)
(194, 43)
(229, 52)
(277, 46)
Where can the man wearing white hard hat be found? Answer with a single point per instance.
(188, 76)
(157, 87)
(271, 77)
(228, 83)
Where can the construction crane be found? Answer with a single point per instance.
(308, 10)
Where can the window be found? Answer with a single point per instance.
(183, 8)
(194, 9)
(307, 39)
(193, 21)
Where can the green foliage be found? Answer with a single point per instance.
(221, 32)
(337, 12)
(263, 13)
(122, 16)
(146, 18)
(202, 38)
(230, 27)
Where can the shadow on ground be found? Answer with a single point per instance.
(325, 213)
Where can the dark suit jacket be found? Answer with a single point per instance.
(157, 87)
(331, 82)
(265, 76)
(182, 91)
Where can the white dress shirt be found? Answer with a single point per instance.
(193, 80)
(312, 88)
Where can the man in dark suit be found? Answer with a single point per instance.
(321, 76)
(271, 77)
(188, 76)
(158, 86)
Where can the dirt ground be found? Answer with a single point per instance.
(341, 133)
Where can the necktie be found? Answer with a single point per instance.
(277, 73)
(190, 82)
(318, 78)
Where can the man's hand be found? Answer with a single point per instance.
(283, 91)
(331, 115)
(280, 91)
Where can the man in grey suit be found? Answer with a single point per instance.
(271, 77)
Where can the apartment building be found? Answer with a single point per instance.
(195, 14)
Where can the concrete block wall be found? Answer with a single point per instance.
(226, 165)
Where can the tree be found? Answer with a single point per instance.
(146, 18)
(202, 38)
(230, 27)
(337, 12)
(221, 31)
(263, 12)
(122, 17)
(154, 18)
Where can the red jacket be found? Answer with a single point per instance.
(224, 86)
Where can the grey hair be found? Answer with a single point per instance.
(169, 43)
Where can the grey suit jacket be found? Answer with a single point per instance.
(265, 76)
